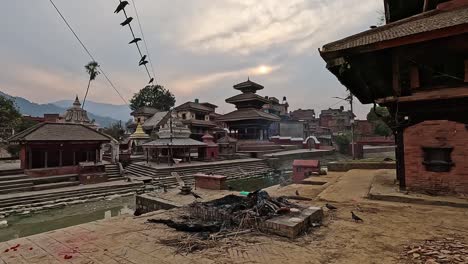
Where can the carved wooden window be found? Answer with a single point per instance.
(438, 159)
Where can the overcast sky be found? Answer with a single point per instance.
(199, 48)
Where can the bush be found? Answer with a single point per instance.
(343, 141)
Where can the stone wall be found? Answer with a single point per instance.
(439, 133)
(357, 165)
(146, 203)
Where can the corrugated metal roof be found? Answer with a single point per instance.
(156, 120)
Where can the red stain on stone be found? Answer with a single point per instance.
(15, 247)
(67, 257)
(30, 248)
(6, 250)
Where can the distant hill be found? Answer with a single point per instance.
(27, 107)
(117, 112)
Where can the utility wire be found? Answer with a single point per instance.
(88, 52)
(136, 43)
(144, 39)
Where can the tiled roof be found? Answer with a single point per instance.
(248, 85)
(247, 114)
(246, 97)
(193, 106)
(145, 110)
(60, 132)
(156, 120)
(201, 123)
(176, 142)
(425, 22)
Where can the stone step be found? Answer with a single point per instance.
(11, 172)
(13, 177)
(15, 185)
(17, 189)
(59, 195)
(54, 185)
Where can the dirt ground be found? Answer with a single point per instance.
(388, 228)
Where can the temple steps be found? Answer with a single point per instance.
(55, 185)
(10, 172)
(39, 198)
(232, 170)
(113, 172)
(23, 183)
(13, 177)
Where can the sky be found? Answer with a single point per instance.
(199, 48)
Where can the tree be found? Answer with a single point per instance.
(91, 69)
(343, 140)
(9, 114)
(115, 130)
(154, 96)
(379, 118)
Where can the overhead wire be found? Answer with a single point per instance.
(144, 39)
(89, 53)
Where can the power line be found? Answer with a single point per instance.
(143, 36)
(88, 52)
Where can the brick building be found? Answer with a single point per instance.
(417, 66)
(338, 120)
(197, 117)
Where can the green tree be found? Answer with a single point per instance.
(343, 140)
(154, 96)
(9, 114)
(92, 69)
(379, 118)
(115, 130)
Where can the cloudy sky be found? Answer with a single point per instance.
(199, 48)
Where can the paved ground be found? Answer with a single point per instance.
(387, 228)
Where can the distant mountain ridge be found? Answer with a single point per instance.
(117, 112)
(27, 107)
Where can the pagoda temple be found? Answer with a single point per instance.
(249, 121)
(77, 115)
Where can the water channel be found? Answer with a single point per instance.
(21, 226)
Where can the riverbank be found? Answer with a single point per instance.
(383, 237)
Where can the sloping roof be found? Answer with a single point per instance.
(157, 119)
(425, 22)
(307, 163)
(246, 97)
(226, 140)
(247, 114)
(200, 123)
(193, 106)
(176, 142)
(248, 85)
(145, 110)
(60, 132)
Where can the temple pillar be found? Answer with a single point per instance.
(30, 157)
(60, 157)
(157, 156)
(74, 158)
(189, 156)
(45, 159)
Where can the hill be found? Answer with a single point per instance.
(117, 112)
(27, 107)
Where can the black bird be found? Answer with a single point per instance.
(121, 6)
(330, 207)
(196, 195)
(151, 80)
(143, 58)
(230, 188)
(127, 21)
(135, 40)
(297, 192)
(355, 217)
(142, 63)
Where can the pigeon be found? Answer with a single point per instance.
(151, 80)
(355, 217)
(143, 58)
(121, 6)
(196, 195)
(135, 40)
(330, 207)
(142, 62)
(297, 192)
(127, 21)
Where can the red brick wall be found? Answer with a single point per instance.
(300, 173)
(211, 183)
(440, 133)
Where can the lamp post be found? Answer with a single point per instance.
(349, 99)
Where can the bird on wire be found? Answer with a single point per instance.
(143, 58)
(355, 217)
(330, 207)
(142, 62)
(297, 192)
(127, 21)
(135, 40)
(196, 195)
(121, 6)
(151, 80)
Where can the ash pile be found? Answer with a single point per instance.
(233, 215)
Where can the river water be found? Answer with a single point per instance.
(21, 226)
